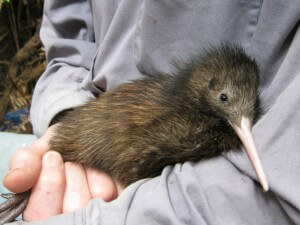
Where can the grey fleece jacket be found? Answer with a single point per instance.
(93, 46)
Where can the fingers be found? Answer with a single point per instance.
(47, 194)
(77, 193)
(36, 167)
(101, 185)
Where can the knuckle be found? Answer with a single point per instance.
(40, 145)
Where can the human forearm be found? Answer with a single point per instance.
(70, 50)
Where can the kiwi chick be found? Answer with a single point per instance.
(143, 126)
(135, 130)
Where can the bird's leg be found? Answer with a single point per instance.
(13, 206)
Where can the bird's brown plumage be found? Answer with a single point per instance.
(135, 130)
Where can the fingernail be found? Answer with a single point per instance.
(52, 159)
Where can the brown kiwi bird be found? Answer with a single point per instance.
(206, 108)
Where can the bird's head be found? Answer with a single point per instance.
(229, 81)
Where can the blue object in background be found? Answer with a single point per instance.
(14, 118)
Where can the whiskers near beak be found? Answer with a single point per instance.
(243, 130)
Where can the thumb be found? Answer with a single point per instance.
(25, 169)
(26, 164)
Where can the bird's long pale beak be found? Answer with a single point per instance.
(243, 130)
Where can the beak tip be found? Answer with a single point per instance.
(265, 187)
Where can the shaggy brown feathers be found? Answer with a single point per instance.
(135, 130)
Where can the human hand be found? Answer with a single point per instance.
(57, 187)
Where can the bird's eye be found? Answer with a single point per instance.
(223, 98)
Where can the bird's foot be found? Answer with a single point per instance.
(13, 206)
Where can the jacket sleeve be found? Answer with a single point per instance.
(68, 36)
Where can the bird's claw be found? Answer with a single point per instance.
(6, 195)
(13, 206)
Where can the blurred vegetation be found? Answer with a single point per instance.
(22, 58)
